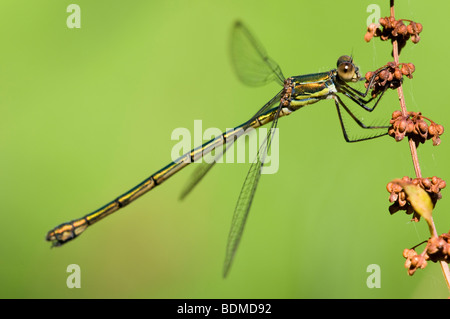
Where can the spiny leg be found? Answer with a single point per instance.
(339, 103)
(361, 102)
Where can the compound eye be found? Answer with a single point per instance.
(346, 71)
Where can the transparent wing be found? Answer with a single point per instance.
(200, 172)
(250, 60)
(246, 197)
(204, 167)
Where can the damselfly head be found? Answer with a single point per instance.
(347, 70)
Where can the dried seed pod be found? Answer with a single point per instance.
(398, 74)
(422, 128)
(414, 261)
(388, 76)
(369, 76)
(432, 185)
(396, 114)
(438, 248)
(415, 127)
(402, 29)
(389, 28)
(434, 132)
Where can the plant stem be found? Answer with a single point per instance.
(412, 145)
(413, 149)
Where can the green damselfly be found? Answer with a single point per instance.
(254, 67)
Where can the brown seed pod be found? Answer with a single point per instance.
(389, 28)
(414, 126)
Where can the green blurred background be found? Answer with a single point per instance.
(88, 113)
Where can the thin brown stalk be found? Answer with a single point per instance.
(413, 148)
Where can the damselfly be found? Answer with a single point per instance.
(254, 67)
